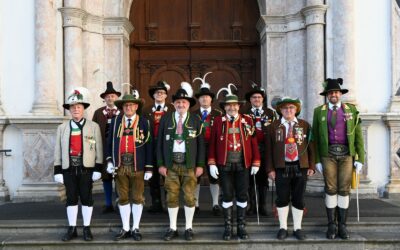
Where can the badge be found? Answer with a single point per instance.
(167, 137)
(258, 125)
(323, 118)
(192, 133)
(279, 135)
(299, 135)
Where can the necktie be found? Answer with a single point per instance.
(129, 123)
(232, 119)
(257, 112)
(204, 115)
(334, 116)
(158, 108)
(179, 129)
(290, 147)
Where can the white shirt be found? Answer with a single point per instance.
(159, 104)
(74, 125)
(260, 110)
(132, 119)
(285, 123)
(338, 105)
(229, 117)
(179, 148)
(208, 110)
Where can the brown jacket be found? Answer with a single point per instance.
(275, 145)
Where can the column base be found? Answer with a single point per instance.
(4, 194)
(40, 192)
(393, 187)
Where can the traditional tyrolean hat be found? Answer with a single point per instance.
(204, 87)
(185, 92)
(110, 90)
(288, 100)
(78, 95)
(332, 85)
(230, 97)
(255, 90)
(160, 85)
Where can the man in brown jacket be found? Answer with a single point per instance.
(290, 160)
(103, 116)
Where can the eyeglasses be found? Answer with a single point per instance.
(288, 107)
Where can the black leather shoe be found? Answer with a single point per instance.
(299, 234)
(189, 234)
(196, 210)
(70, 234)
(282, 234)
(122, 235)
(108, 209)
(216, 210)
(136, 235)
(87, 234)
(170, 234)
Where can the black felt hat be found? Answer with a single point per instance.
(110, 90)
(333, 85)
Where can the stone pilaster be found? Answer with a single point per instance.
(45, 59)
(395, 33)
(393, 122)
(4, 193)
(39, 135)
(315, 21)
(343, 45)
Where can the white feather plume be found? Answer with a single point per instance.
(166, 85)
(188, 88)
(227, 89)
(135, 93)
(204, 84)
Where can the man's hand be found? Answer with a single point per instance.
(214, 171)
(199, 171)
(310, 172)
(272, 175)
(254, 170)
(148, 175)
(163, 171)
(96, 176)
(358, 165)
(319, 167)
(110, 167)
(59, 178)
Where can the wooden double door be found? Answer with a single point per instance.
(178, 40)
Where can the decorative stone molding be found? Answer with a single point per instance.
(39, 134)
(282, 24)
(73, 17)
(393, 122)
(314, 14)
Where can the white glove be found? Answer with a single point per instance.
(110, 167)
(59, 178)
(96, 176)
(358, 166)
(214, 171)
(318, 167)
(254, 170)
(148, 175)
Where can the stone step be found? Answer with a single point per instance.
(204, 241)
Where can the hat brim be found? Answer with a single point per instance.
(191, 100)
(153, 89)
(85, 105)
(120, 103)
(222, 104)
(103, 95)
(249, 94)
(280, 105)
(197, 95)
(344, 91)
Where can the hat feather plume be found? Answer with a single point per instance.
(204, 84)
(227, 89)
(167, 86)
(188, 88)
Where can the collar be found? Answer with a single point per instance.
(283, 120)
(183, 116)
(113, 108)
(132, 119)
(161, 104)
(330, 105)
(229, 117)
(75, 124)
(260, 109)
(208, 110)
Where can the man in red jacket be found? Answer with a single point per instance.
(233, 148)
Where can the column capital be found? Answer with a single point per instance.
(73, 17)
(314, 14)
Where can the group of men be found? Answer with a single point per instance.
(240, 148)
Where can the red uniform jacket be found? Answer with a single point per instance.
(218, 146)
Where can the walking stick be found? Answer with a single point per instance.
(358, 205)
(255, 192)
(274, 210)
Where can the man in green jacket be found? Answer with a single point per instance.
(339, 146)
(180, 157)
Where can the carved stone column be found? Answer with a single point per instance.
(393, 122)
(39, 134)
(343, 45)
(73, 17)
(395, 33)
(45, 59)
(315, 21)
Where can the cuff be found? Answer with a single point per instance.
(148, 168)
